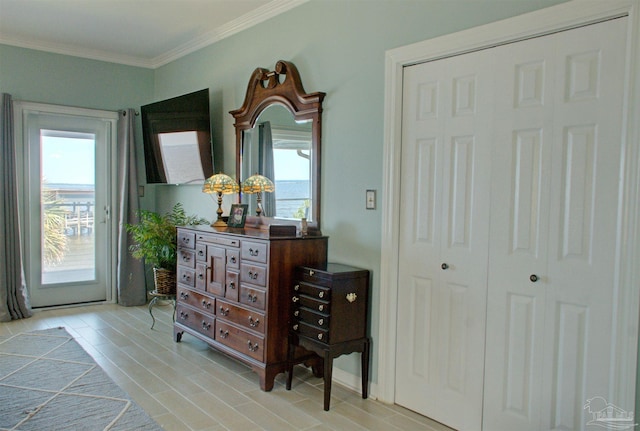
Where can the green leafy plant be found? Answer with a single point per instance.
(155, 238)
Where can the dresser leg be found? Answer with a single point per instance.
(328, 368)
(365, 368)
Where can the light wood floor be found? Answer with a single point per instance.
(188, 386)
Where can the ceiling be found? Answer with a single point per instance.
(145, 33)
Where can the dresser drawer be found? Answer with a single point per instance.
(313, 291)
(201, 252)
(186, 239)
(233, 258)
(241, 316)
(187, 258)
(240, 340)
(203, 323)
(232, 288)
(217, 239)
(311, 317)
(254, 251)
(254, 297)
(186, 276)
(310, 331)
(254, 274)
(201, 276)
(197, 300)
(312, 303)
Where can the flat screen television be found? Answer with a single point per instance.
(177, 139)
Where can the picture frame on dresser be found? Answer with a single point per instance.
(237, 215)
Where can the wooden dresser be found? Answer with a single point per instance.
(329, 318)
(234, 288)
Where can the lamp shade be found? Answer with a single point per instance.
(220, 183)
(257, 184)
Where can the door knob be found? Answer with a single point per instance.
(533, 278)
(445, 266)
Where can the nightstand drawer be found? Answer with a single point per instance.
(313, 291)
(312, 303)
(310, 331)
(311, 317)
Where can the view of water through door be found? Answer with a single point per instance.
(68, 153)
(68, 207)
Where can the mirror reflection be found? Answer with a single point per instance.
(280, 149)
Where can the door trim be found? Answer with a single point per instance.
(545, 21)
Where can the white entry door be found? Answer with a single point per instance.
(554, 244)
(68, 155)
(443, 241)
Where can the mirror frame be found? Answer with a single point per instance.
(283, 86)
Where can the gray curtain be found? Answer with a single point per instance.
(131, 283)
(14, 297)
(267, 167)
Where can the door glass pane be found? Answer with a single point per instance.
(67, 182)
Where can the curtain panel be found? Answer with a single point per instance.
(14, 296)
(131, 283)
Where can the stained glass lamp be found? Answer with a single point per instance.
(220, 184)
(258, 184)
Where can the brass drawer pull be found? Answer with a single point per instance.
(320, 307)
(200, 276)
(233, 259)
(312, 272)
(232, 285)
(320, 336)
(206, 304)
(206, 326)
(253, 275)
(321, 295)
(295, 327)
(184, 295)
(295, 299)
(320, 322)
(253, 323)
(223, 333)
(253, 252)
(185, 258)
(252, 347)
(296, 287)
(296, 313)
(186, 277)
(224, 311)
(351, 297)
(183, 315)
(252, 298)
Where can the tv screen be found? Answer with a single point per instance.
(177, 139)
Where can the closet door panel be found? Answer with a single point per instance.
(443, 235)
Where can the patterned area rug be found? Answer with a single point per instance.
(48, 382)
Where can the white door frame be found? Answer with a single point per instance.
(561, 17)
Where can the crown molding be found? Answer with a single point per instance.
(268, 11)
(244, 22)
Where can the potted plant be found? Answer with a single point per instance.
(155, 241)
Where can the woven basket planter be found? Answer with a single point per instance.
(165, 281)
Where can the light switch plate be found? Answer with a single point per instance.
(371, 199)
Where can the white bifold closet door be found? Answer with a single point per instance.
(511, 166)
(554, 243)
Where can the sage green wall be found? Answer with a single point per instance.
(38, 76)
(339, 48)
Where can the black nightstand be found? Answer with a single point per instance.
(329, 318)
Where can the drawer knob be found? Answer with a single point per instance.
(183, 315)
(233, 259)
(321, 295)
(320, 322)
(320, 307)
(200, 252)
(253, 275)
(206, 326)
(206, 304)
(533, 278)
(185, 258)
(185, 239)
(295, 299)
(252, 298)
(351, 297)
(223, 333)
(232, 285)
(200, 276)
(296, 313)
(296, 287)
(253, 323)
(444, 266)
(186, 277)
(312, 272)
(224, 311)
(184, 295)
(320, 336)
(253, 252)
(252, 347)
(295, 327)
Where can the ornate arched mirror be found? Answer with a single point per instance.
(278, 136)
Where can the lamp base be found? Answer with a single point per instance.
(219, 223)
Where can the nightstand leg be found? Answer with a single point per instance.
(290, 355)
(365, 368)
(328, 368)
